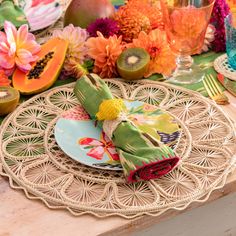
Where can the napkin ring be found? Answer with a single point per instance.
(112, 111)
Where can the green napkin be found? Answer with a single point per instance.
(11, 12)
(142, 156)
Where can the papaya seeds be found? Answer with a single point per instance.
(45, 70)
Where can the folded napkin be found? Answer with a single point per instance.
(12, 13)
(142, 156)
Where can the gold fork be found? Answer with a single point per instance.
(214, 90)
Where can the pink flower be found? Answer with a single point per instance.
(17, 48)
(100, 147)
(77, 50)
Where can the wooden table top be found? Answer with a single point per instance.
(21, 216)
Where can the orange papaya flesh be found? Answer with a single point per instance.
(45, 70)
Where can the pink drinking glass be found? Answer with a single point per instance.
(186, 23)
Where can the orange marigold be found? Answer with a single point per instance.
(131, 22)
(156, 44)
(105, 52)
(150, 9)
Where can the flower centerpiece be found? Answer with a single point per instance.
(96, 48)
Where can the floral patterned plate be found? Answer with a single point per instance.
(80, 138)
(41, 13)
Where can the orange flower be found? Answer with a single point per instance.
(4, 81)
(105, 52)
(131, 22)
(156, 44)
(136, 16)
(149, 8)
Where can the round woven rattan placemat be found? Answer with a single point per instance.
(222, 66)
(33, 161)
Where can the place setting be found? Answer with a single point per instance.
(119, 112)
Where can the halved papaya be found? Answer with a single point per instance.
(44, 71)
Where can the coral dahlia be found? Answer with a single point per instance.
(156, 44)
(105, 52)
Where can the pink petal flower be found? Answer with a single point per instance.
(25, 56)
(96, 152)
(27, 40)
(12, 49)
(10, 31)
(8, 72)
(77, 50)
(3, 37)
(6, 61)
(23, 60)
(4, 47)
(31, 46)
(22, 34)
(22, 66)
(17, 48)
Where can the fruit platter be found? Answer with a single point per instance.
(110, 107)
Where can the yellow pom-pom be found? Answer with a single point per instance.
(110, 109)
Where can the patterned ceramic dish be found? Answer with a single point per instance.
(41, 13)
(82, 140)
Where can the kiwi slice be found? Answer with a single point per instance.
(132, 63)
(9, 98)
